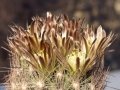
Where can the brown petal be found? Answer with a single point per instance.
(32, 42)
(32, 27)
(87, 63)
(42, 62)
(77, 63)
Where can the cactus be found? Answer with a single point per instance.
(57, 53)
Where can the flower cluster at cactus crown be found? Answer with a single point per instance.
(57, 53)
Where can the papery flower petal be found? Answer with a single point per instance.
(100, 35)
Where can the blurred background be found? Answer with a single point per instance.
(95, 12)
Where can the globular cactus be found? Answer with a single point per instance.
(57, 53)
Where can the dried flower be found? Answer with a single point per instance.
(89, 49)
(57, 51)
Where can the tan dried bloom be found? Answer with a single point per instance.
(57, 51)
(89, 49)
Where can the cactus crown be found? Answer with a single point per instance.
(57, 53)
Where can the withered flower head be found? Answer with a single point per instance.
(57, 44)
(89, 49)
